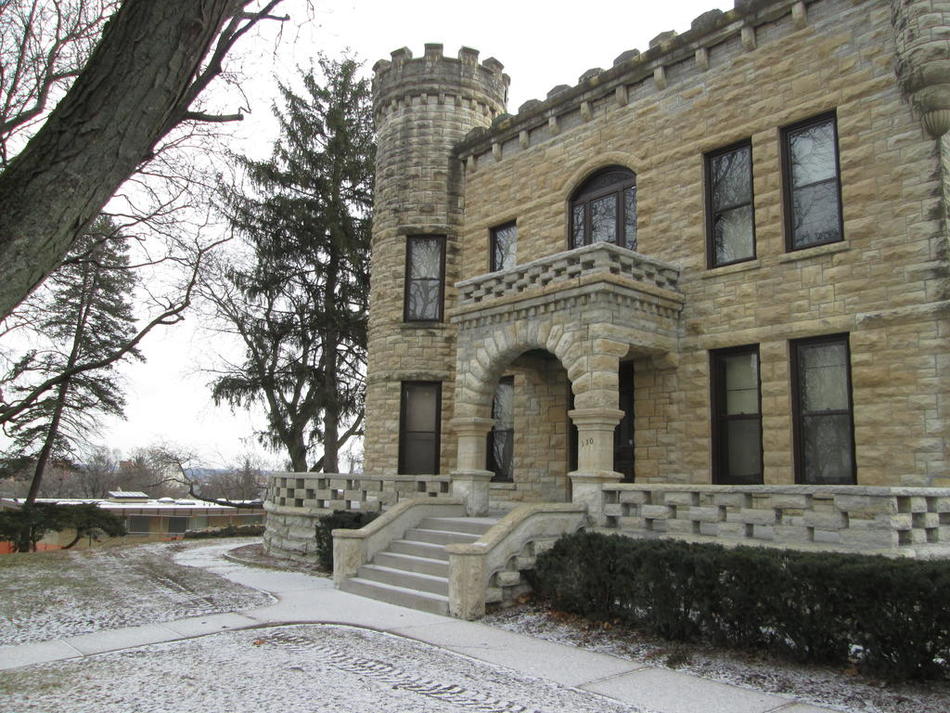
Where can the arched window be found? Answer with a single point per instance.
(604, 209)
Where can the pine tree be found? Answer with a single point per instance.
(83, 312)
(299, 303)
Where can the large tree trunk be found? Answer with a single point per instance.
(133, 90)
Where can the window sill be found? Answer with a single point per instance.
(436, 326)
(502, 485)
(730, 269)
(826, 249)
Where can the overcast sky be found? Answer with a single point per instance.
(541, 45)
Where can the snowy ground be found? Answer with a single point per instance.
(844, 690)
(52, 595)
(297, 668)
(323, 668)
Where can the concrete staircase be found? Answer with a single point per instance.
(414, 571)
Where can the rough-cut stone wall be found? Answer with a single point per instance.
(423, 107)
(886, 284)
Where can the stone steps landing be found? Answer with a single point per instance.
(414, 571)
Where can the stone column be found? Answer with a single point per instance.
(470, 480)
(595, 457)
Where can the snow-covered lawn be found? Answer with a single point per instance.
(53, 595)
(295, 668)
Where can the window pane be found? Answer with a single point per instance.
(578, 226)
(630, 218)
(504, 241)
(826, 449)
(424, 299)
(812, 151)
(744, 450)
(503, 407)
(502, 454)
(816, 214)
(421, 407)
(425, 258)
(733, 237)
(823, 377)
(603, 219)
(419, 456)
(742, 383)
(732, 179)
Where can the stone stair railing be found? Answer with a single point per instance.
(489, 570)
(354, 548)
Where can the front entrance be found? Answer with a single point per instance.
(623, 435)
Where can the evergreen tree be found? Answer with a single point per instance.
(83, 312)
(299, 301)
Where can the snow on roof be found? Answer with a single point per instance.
(127, 494)
(147, 504)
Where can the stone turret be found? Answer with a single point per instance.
(923, 59)
(423, 107)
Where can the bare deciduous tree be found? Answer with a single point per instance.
(141, 80)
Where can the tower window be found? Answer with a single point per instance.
(425, 278)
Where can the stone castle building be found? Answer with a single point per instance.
(703, 293)
(722, 260)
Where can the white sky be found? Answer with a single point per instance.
(541, 44)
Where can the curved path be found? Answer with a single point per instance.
(441, 664)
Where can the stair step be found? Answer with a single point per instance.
(412, 563)
(402, 578)
(423, 601)
(470, 525)
(419, 549)
(439, 537)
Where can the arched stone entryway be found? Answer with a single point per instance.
(612, 302)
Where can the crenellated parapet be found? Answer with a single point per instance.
(440, 79)
(922, 29)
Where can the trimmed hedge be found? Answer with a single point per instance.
(225, 531)
(338, 520)
(890, 616)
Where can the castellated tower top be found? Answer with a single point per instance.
(437, 76)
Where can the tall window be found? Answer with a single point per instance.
(604, 209)
(419, 419)
(504, 240)
(501, 438)
(730, 224)
(737, 417)
(824, 426)
(425, 278)
(812, 188)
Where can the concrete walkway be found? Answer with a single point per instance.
(304, 599)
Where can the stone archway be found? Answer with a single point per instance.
(591, 364)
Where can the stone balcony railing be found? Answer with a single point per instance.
(568, 269)
(886, 520)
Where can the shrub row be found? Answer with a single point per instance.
(226, 531)
(337, 520)
(890, 616)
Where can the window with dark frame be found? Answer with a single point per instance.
(737, 416)
(425, 278)
(501, 438)
(420, 415)
(504, 243)
(604, 209)
(730, 219)
(811, 181)
(823, 411)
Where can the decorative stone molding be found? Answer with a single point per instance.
(923, 59)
